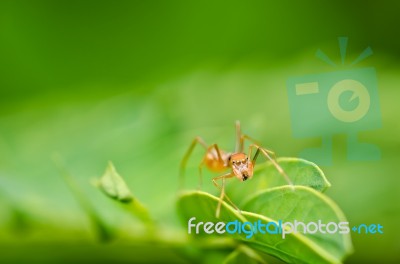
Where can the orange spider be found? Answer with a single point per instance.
(218, 160)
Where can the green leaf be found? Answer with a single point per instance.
(300, 171)
(244, 254)
(305, 205)
(295, 248)
(114, 186)
(203, 206)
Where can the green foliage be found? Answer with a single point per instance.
(260, 200)
(114, 186)
(305, 205)
(265, 197)
(285, 203)
(244, 254)
(135, 81)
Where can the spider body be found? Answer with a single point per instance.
(212, 161)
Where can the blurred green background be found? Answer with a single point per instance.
(135, 81)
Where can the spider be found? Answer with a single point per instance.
(238, 162)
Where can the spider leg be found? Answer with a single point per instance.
(268, 154)
(197, 140)
(240, 138)
(246, 137)
(239, 141)
(222, 189)
(218, 152)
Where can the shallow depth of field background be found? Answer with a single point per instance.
(135, 81)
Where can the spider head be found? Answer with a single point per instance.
(241, 166)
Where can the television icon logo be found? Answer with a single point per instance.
(339, 102)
